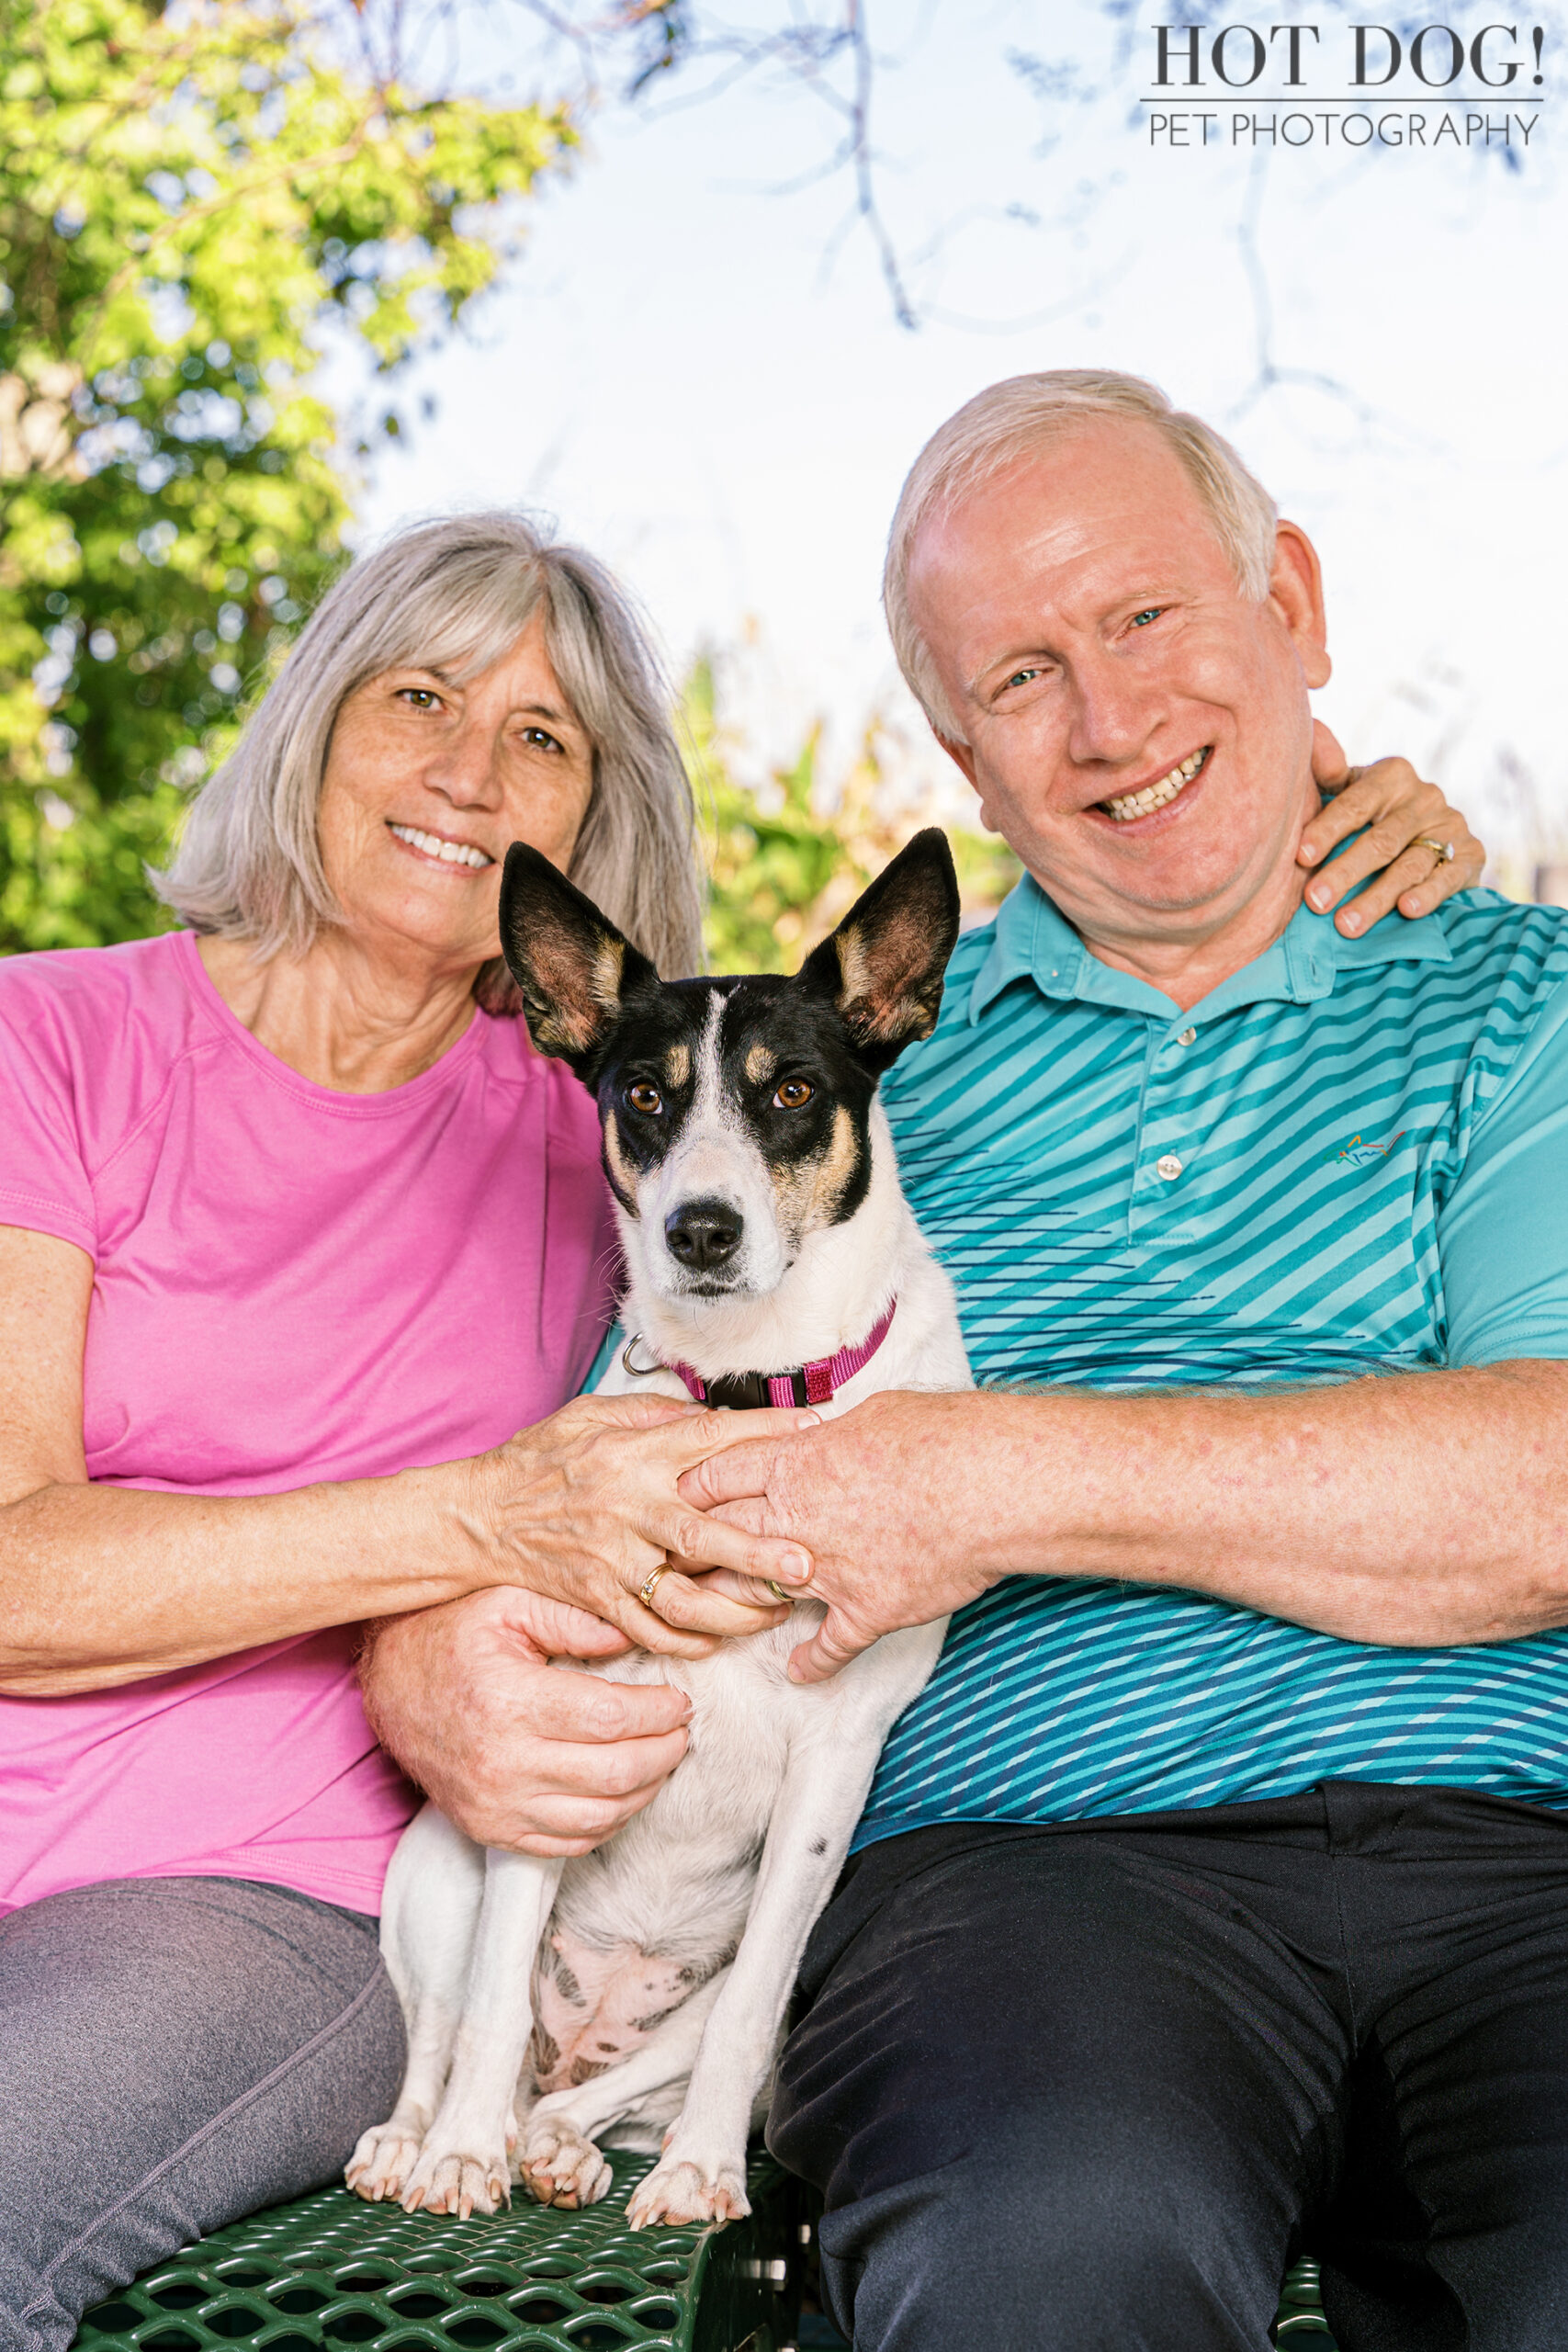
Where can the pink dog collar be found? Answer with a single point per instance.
(807, 1384)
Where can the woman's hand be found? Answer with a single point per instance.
(584, 1506)
(1398, 809)
(517, 1753)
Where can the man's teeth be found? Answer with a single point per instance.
(1155, 795)
(449, 853)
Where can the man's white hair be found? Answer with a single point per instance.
(453, 595)
(1009, 420)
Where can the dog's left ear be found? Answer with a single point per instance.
(883, 966)
(574, 968)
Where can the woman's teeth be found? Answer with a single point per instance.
(449, 853)
(1155, 795)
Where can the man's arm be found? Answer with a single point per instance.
(518, 1753)
(1420, 1508)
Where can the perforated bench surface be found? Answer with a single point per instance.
(332, 2272)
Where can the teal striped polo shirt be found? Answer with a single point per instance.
(1352, 1156)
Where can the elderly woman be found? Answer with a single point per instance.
(304, 1255)
(299, 1234)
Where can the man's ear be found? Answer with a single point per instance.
(575, 970)
(1295, 590)
(883, 966)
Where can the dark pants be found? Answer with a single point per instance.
(174, 2052)
(1093, 2087)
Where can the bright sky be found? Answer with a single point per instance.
(703, 380)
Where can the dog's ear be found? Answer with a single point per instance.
(883, 966)
(575, 970)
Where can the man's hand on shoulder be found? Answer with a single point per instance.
(898, 1533)
(516, 1752)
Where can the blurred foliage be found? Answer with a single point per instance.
(784, 869)
(197, 204)
(191, 202)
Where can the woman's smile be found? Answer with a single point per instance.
(438, 849)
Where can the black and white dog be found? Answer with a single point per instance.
(771, 1257)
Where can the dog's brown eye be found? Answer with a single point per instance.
(646, 1099)
(792, 1095)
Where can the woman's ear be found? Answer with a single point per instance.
(883, 966)
(574, 968)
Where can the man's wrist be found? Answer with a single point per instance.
(1002, 1478)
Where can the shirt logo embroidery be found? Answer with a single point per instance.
(1357, 1152)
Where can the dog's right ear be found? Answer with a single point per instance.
(575, 970)
(883, 966)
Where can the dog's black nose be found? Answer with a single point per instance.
(703, 1234)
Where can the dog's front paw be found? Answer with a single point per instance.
(382, 2160)
(681, 2192)
(559, 2166)
(443, 2183)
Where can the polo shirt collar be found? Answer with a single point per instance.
(1033, 940)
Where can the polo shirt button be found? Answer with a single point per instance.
(1187, 1038)
(1169, 1165)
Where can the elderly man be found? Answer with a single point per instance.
(1213, 1901)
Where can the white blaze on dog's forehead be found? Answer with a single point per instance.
(713, 1156)
(709, 1123)
(709, 1099)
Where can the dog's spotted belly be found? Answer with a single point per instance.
(593, 2008)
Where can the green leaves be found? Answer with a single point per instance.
(193, 207)
(784, 870)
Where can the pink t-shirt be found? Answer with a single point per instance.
(291, 1285)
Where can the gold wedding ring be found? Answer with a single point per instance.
(1442, 851)
(777, 1590)
(650, 1584)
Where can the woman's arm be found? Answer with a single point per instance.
(1393, 811)
(101, 1585)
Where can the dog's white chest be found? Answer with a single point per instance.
(706, 1826)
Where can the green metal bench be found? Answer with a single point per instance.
(332, 2272)
(1301, 2320)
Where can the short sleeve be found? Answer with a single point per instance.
(43, 1181)
(1503, 1235)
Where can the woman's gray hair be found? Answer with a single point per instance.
(1007, 422)
(452, 595)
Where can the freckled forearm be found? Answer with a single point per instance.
(102, 1585)
(1425, 1509)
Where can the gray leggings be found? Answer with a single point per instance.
(174, 2054)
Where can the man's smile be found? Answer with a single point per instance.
(1127, 807)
